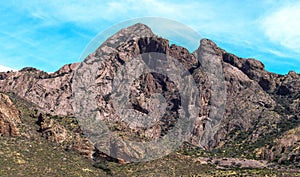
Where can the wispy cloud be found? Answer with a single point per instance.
(283, 27)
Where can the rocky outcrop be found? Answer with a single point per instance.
(9, 117)
(254, 69)
(64, 131)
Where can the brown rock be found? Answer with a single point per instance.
(9, 117)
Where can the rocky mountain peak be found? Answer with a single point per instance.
(138, 28)
(209, 44)
(255, 101)
(136, 31)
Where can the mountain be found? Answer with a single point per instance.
(244, 111)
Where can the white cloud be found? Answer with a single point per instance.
(283, 26)
(90, 13)
(5, 68)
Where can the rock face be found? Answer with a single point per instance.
(240, 103)
(9, 117)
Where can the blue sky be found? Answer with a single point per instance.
(49, 34)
